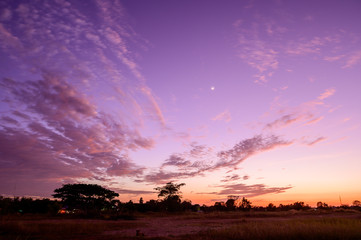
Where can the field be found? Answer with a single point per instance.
(225, 225)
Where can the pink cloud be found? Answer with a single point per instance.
(157, 111)
(303, 47)
(334, 58)
(327, 93)
(320, 139)
(314, 120)
(223, 116)
(8, 39)
(123, 168)
(230, 178)
(175, 160)
(226, 159)
(256, 52)
(353, 60)
(284, 121)
(247, 148)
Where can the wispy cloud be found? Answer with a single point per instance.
(327, 93)
(304, 46)
(250, 190)
(185, 166)
(354, 59)
(305, 113)
(284, 121)
(259, 52)
(317, 140)
(175, 160)
(247, 148)
(314, 120)
(223, 116)
(266, 43)
(230, 178)
(333, 58)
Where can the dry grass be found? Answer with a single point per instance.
(60, 228)
(310, 229)
(207, 226)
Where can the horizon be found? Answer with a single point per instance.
(258, 99)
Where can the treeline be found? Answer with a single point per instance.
(24, 205)
(27, 205)
(91, 200)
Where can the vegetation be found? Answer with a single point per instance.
(327, 229)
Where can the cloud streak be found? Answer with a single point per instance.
(250, 190)
(223, 116)
(185, 166)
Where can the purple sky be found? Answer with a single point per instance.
(253, 98)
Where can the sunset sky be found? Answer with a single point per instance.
(260, 99)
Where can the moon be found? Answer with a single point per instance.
(212, 88)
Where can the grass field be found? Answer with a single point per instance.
(233, 225)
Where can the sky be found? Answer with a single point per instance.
(258, 99)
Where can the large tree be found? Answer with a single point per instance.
(85, 196)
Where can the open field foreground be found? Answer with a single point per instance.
(259, 225)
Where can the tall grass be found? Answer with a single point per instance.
(307, 229)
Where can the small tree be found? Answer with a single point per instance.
(245, 204)
(356, 203)
(271, 207)
(171, 195)
(322, 205)
(231, 202)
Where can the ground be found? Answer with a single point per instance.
(232, 225)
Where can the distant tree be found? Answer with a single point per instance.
(152, 205)
(245, 204)
(87, 197)
(186, 205)
(299, 205)
(220, 206)
(356, 203)
(231, 202)
(322, 205)
(171, 195)
(271, 207)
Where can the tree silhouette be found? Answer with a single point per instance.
(231, 202)
(322, 205)
(245, 204)
(356, 203)
(171, 195)
(85, 197)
